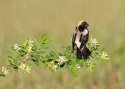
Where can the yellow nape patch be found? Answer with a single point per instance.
(80, 22)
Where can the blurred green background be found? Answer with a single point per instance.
(20, 19)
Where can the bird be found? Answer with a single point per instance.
(79, 40)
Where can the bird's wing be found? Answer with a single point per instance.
(73, 40)
(84, 37)
(83, 40)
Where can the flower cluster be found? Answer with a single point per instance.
(4, 71)
(28, 45)
(23, 67)
(104, 56)
(90, 65)
(93, 43)
(16, 47)
(53, 66)
(61, 60)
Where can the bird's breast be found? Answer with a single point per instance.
(77, 39)
(85, 32)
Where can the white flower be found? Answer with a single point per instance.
(62, 59)
(16, 47)
(29, 42)
(29, 45)
(104, 55)
(53, 66)
(78, 67)
(22, 66)
(28, 69)
(4, 71)
(26, 56)
(90, 66)
(29, 49)
(93, 42)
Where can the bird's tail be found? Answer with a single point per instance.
(84, 53)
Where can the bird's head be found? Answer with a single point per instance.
(82, 25)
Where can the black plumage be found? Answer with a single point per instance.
(79, 40)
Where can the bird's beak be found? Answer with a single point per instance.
(87, 25)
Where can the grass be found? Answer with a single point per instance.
(27, 18)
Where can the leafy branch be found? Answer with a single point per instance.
(21, 55)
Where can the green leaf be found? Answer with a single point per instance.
(74, 71)
(46, 41)
(43, 63)
(22, 53)
(43, 38)
(75, 63)
(68, 48)
(52, 53)
(47, 58)
(9, 56)
(62, 65)
(45, 47)
(68, 56)
(2, 75)
(36, 39)
(44, 59)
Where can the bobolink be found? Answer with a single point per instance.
(79, 40)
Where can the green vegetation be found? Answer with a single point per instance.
(20, 19)
(21, 54)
